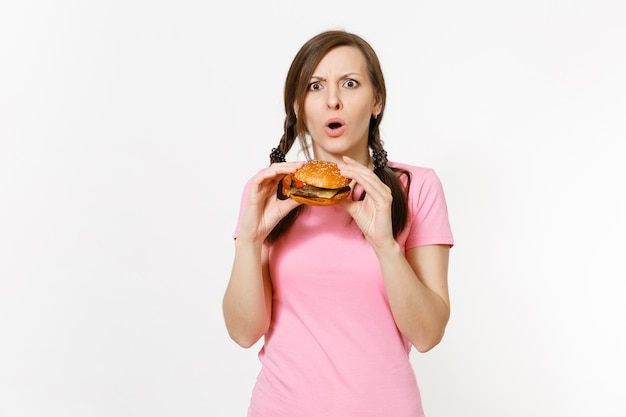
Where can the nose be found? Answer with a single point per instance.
(333, 101)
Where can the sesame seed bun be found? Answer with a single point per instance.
(317, 183)
(322, 174)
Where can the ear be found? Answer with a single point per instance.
(378, 107)
(296, 108)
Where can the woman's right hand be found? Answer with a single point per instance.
(263, 209)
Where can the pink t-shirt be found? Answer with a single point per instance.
(333, 348)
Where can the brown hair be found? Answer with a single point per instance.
(296, 83)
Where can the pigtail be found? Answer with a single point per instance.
(390, 177)
(278, 155)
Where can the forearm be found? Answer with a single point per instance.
(247, 300)
(420, 312)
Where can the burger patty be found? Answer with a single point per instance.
(309, 191)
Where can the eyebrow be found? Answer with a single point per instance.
(347, 75)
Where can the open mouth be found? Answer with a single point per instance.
(334, 127)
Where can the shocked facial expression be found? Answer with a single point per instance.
(339, 104)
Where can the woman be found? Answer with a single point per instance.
(340, 293)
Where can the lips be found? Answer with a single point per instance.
(334, 127)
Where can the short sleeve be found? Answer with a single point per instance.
(242, 205)
(430, 224)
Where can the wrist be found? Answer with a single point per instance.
(245, 241)
(389, 247)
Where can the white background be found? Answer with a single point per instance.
(127, 130)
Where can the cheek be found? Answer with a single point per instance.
(365, 112)
(311, 114)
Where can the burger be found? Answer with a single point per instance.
(317, 183)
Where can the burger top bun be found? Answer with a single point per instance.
(323, 174)
(317, 183)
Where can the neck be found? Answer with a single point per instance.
(362, 157)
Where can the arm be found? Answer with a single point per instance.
(416, 282)
(247, 302)
(417, 287)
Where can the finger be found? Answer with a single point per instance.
(285, 206)
(349, 205)
(350, 165)
(366, 180)
(352, 169)
(269, 177)
(280, 168)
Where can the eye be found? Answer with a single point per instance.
(351, 83)
(314, 86)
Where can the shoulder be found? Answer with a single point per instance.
(429, 223)
(419, 174)
(424, 186)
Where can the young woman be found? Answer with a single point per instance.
(340, 293)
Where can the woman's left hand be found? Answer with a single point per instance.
(373, 213)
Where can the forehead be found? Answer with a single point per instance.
(343, 59)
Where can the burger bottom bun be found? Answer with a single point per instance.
(320, 201)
